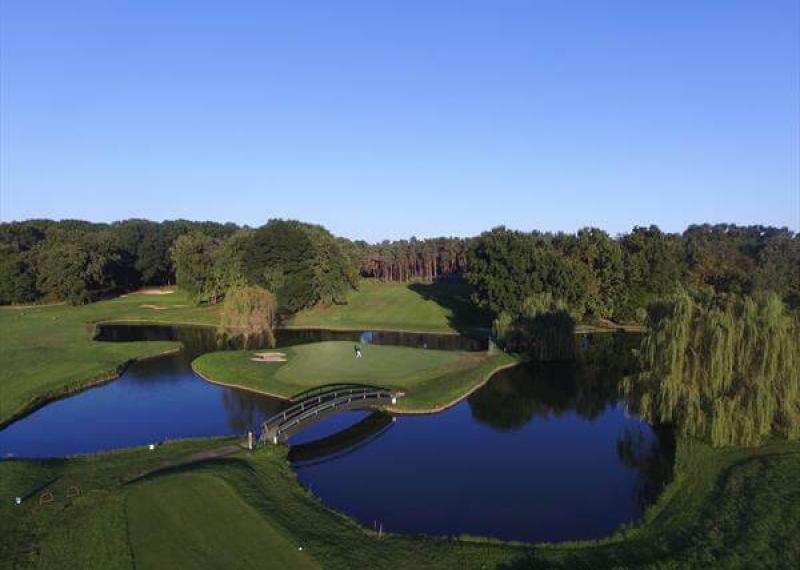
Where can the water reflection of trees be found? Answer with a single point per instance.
(653, 458)
(517, 395)
(246, 410)
(587, 385)
(342, 442)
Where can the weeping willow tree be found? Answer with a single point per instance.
(544, 329)
(248, 313)
(726, 372)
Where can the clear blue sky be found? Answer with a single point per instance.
(391, 119)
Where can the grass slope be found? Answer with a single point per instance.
(443, 306)
(733, 508)
(204, 523)
(430, 378)
(48, 351)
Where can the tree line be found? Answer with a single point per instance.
(410, 260)
(80, 262)
(594, 275)
(587, 274)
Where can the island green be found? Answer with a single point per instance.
(429, 379)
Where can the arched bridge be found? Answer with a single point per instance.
(320, 403)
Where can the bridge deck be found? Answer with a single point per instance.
(324, 403)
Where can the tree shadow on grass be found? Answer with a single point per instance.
(454, 295)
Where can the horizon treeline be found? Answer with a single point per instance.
(589, 272)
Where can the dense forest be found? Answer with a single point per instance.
(589, 273)
(595, 275)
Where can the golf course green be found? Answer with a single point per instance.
(430, 379)
(187, 505)
(443, 307)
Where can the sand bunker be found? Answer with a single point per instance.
(156, 291)
(269, 357)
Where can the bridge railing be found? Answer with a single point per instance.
(321, 409)
(343, 396)
(318, 390)
(316, 400)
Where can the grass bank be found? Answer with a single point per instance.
(733, 508)
(443, 306)
(48, 351)
(431, 379)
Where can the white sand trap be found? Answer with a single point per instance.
(269, 357)
(157, 291)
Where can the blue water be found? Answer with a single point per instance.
(541, 453)
(557, 476)
(154, 400)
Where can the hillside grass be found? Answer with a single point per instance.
(443, 306)
(731, 508)
(204, 523)
(48, 351)
(430, 379)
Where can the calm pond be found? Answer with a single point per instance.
(541, 453)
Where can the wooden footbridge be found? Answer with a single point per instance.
(323, 402)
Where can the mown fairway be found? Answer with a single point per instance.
(443, 306)
(204, 523)
(430, 378)
(47, 351)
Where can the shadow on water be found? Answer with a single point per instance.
(588, 388)
(341, 442)
(200, 339)
(587, 385)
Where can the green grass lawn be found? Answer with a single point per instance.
(429, 378)
(48, 351)
(731, 508)
(204, 523)
(443, 306)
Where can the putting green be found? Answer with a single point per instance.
(429, 378)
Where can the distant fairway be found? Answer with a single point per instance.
(47, 351)
(430, 378)
(443, 306)
(199, 521)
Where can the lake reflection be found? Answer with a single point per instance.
(541, 453)
(153, 400)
